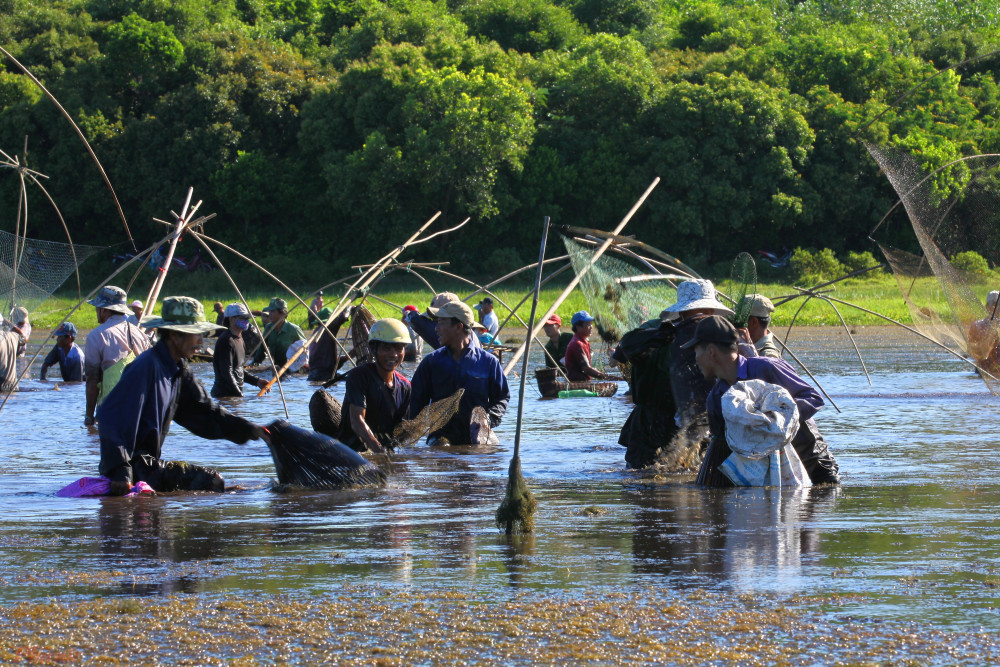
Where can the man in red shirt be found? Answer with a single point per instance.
(578, 368)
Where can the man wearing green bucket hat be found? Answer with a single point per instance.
(279, 334)
(154, 390)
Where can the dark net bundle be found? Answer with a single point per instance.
(953, 213)
(361, 324)
(432, 418)
(516, 513)
(742, 281)
(306, 459)
(325, 413)
(622, 294)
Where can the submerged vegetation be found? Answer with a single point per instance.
(318, 129)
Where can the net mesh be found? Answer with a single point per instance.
(32, 269)
(952, 211)
(311, 460)
(432, 418)
(742, 281)
(361, 325)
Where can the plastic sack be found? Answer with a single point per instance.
(98, 486)
(577, 393)
(760, 417)
(303, 358)
(761, 420)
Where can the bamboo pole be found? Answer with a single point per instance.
(182, 221)
(629, 241)
(362, 283)
(576, 280)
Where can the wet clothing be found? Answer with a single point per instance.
(10, 347)
(577, 358)
(135, 416)
(766, 347)
(324, 354)
(808, 443)
(477, 371)
(70, 363)
(278, 342)
(384, 406)
(651, 426)
(228, 362)
(558, 352)
(687, 383)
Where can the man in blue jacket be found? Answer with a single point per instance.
(154, 390)
(458, 363)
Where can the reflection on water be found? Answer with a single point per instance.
(911, 534)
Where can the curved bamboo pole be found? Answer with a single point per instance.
(366, 279)
(809, 373)
(79, 133)
(629, 241)
(851, 336)
(576, 280)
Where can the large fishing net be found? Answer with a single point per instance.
(307, 459)
(432, 418)
(31, 269)
(952, 211)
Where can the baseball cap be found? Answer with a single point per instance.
(276, 304)
(440, 299)
(555, 319)
(65, 329)
(713, 329)
(457, 309)
(581, 316)
(760, 305)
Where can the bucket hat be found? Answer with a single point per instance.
(183, 314)
(236, 310)
(65, 329)
(276, 304)
(695, 294)
(112, 298)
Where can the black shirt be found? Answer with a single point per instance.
(384, 407)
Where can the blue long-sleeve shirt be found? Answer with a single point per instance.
(439, 376)
(133, 419)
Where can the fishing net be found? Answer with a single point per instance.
(325, 413)
(361, 324)
(432, 418)
(742, 281)
(622, 293)
(31, 269)
(952, 211)
(312, 460)
(516, 513)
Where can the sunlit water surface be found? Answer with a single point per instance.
(912, 534)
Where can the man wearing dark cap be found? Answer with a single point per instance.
(66, 353)
(458, 364)
(279, 334)
(110, 347)
(717, 355)
(487, 317)
(154, 390)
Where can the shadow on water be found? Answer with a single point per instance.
(911, 534)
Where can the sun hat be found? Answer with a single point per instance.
(65, 329)
(555, 319)
(324, 313)
(276, 304)
(236, 310)
(111, 298)
(18, 315)
(581, 316)
(696, 294)
(713, 329)
(760, 306)
(456, 309)
(135, 304)
(440, 299)
(183, 314)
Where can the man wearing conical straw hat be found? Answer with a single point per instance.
(154, 390)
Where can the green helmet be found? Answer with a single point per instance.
(389, 330)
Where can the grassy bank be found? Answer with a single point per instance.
(881, 295)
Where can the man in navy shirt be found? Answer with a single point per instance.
(154, 390)
(459, 364)
(66, 353)
(716, 353)
(377, 396)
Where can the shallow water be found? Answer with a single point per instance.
(911, 535)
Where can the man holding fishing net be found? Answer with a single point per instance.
(460, 364)
(715, 345)
(756, 332)
(279, 334)
(154, 390)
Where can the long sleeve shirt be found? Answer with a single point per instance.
(278, 342)
(228, 360)
(135, 416)
(439, 376)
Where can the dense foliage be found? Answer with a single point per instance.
(323, 131)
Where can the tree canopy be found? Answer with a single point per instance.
(328, 129)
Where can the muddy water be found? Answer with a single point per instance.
(913, 534)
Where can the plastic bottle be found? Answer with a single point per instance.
(577, 393)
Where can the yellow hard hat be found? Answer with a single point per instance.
(389, 330)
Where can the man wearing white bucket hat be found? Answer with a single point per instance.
(154, 390)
